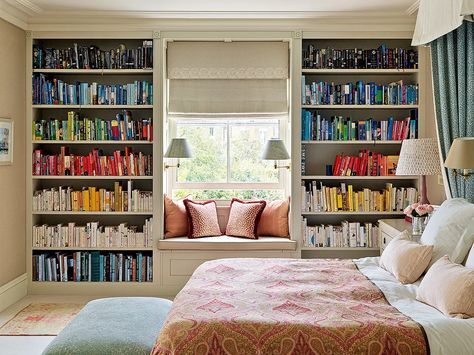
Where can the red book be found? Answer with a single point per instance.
(337, 164)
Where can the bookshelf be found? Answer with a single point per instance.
(81, 147)
(320, 153)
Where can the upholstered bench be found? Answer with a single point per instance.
(113, 326)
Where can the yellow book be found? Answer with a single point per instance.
(350, 198)
(356, 202)
(339, 202)
(70, 126)
(92, 198)
(97, 201)
(334, 199)
(85, 200)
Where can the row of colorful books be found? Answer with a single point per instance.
(367, 163)
(358, 93)
(320, 198)
(92, 235)
(92, 267)
(93, 199)
(338, 128)
(75, 128)
(358, 58)
(57, 92)
(347, 235)
(96, 163)
(92, 57)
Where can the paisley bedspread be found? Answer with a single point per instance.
(285, 306)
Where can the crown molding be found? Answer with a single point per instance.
(13, 14)
(413, 8)
(25, 6)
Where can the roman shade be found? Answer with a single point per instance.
(227, 77)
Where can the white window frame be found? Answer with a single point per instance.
(283, 175)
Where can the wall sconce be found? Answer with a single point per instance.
(461, 156)
(178, 149)
(275, 149)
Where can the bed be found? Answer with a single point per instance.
(288, 306)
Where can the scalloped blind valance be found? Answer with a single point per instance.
(228, 77)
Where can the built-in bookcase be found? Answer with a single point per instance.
(317, 155)
(130, 262)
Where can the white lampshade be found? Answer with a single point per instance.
(178, 148)
(461, 154)
(419, 157)
(275, 149)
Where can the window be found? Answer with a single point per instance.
(226, 159)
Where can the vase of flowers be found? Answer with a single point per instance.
(419, 214)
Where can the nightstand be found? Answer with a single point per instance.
(390, 228)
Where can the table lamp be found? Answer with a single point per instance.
(461, 156)
(275, 149)
(178, 149)
(419, 157)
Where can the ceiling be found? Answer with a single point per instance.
(199, 7)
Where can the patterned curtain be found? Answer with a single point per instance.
(453, 79)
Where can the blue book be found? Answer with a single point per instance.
(390, 129)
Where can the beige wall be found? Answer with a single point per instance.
(436, 193)
(12, 177)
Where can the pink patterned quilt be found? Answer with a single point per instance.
(285, 306)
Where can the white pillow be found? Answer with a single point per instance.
(450, 230)
(470, 258)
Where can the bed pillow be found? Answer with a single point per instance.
(202, 219)
(405, 259)
(470, 258)
(243, 218)
(448, 287)
(274, 219)
(176, 218)
(450, 230)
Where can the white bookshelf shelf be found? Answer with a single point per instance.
(353, 142)
(95, 71)
(347, 213)
(92, 142)
(360, 71)
(360, 107)
(339, 249)
(92, 249)
(390, 177)
(80, 177)
(91, 213)
(103, 107)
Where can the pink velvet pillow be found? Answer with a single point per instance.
(202, 217)
(274, 219)
(244, 217)
(405, 259)
(176, 218)
(448, 287)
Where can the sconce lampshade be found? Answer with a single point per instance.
(275, 149)
(178, 148)
(461, 154)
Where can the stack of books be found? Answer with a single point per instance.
(347, 235)
(94, 164)
(329, 93)
(338, 128)
(92, 266)
(92, 57)
(92, 235)
(123, 128)
(57, 92)
(367, 163)
(344, 198)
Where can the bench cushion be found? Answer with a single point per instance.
(113, 326)
(227, 243)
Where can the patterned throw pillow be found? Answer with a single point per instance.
(202, 217)
(244, 217)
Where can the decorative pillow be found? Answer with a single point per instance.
(274, 219)
(202, 217)
(448, 287)
(450, 230)
(244, 217)
(470, 258)
(405, 259)
(176, 218)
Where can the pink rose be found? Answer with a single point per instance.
(429, 208)
(415, 205)
(421, 210)
(408, 210)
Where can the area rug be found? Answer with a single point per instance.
(41, 319)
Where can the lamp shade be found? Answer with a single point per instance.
(419, 157)
(461, 154)
(275, 149)
(178, 148)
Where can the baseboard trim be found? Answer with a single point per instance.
(13, 291)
